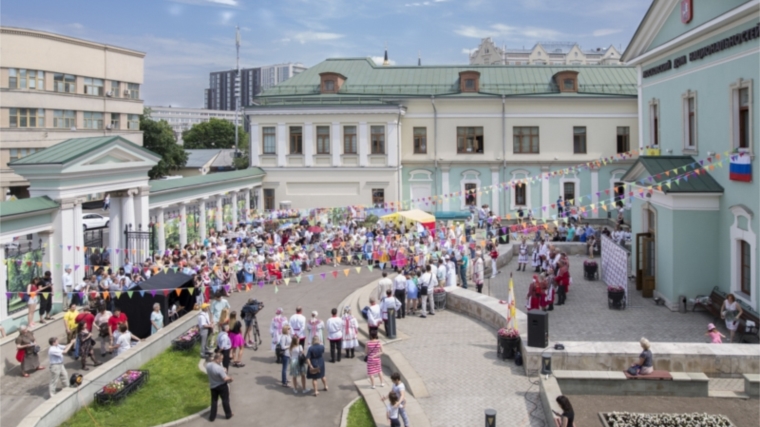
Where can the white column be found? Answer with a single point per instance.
(161, 229)
(282, 144)
(128, 210)
(445, 186)
(79, 241)
(260, 198)
(255, 149)
(544, 195)
(594, 190)
(49, 261)
(335, 150)
(641, 103)
(183, 224)
(495, 189)
(114, 228)
(235, 209)
(4, 281)
(247, 208)
(363, 144)
(141, 209)
(308, 144)
(219, 214)
(202, 220)
(392, 143)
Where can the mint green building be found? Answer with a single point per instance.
(698, 66)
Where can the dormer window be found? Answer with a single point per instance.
(469, 81)
(330, 82)
(567, 81)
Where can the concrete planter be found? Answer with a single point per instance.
(439, 299)
(616, 299)
(507, 347)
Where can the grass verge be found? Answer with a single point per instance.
(176, 389)
(359, 415)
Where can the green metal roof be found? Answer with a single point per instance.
(70, 149)
(23, 206)
(365, 78)
(175, 184)
(656, 166)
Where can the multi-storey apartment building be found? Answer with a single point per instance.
(221, 92)
(56, 87)
(544, 53)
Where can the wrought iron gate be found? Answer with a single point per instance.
(140, 243)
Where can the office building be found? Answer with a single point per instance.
(545, 53)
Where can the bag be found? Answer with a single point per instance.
(279, 351)
(424, 288)
(36, 349)
(365, 313)
(103, 329)
(301, 359)
(20, 355)
(314, 370)
(365, 358)
(25, 298)
(633, 370)
(518, 358)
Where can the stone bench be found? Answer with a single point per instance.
(683, 384)
(752, 385)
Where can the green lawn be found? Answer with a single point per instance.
(359, 415)
(176, 389)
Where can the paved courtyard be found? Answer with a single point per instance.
(586, 316)
(456, 357)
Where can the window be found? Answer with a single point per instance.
(270, 142)
(377, 135)
(65, 119)
(470, 140)
(689, 110)
(323, 139)
(744, 137)
(115, 121)
(296, 140)
(469, 81)
(579, 140)
(526, 140)
(569, 84)
(378, 196)
(18, 153)
(623, 139)
(27, 118)
(349, 139)
(12, 78)
(93, 120)
(115, 86)
(329, 85)
(93, 86)
(469, 84)
(133, 91)
(654, 123)
(269, 199)
(64, 83)
(520, 195)
(470, 194)
(568, 189)
(133, 121)
(745, 268)
(619, 194)
(26, 79)
(420, 140)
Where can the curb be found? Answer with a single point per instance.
(344, 414)
(186, 419)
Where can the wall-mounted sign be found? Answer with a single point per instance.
(687, 11)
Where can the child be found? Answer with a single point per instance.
(536, 264)
(713, 333)
(400, 390)
(392, 407)
(494, 256)
(522, 260)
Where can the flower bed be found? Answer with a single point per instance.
(187, 340)
(508, 343)
(119, 388)
(628, 419)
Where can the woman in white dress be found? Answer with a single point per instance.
(275, 329)
(315, 327)
(451, 272)
(350, 332)
(522, 259)
(731, 311)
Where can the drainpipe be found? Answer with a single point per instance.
(435, 143)
(398, 160)
(503, 174)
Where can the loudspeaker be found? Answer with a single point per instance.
(538, 329)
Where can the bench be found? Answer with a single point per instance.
(619, 383)
(654, 376)
(714, 303)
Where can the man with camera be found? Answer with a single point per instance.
(252, 336)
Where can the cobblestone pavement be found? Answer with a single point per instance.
(456, 357)
(586, 316)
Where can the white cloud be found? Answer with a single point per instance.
(226, 16)
(424, 3)
(469, 51)
(606, 32)
(379, 60)
(315, 36)
(77, 26)
(508, 32)
(224, 3)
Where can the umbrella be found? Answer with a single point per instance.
(315, 229)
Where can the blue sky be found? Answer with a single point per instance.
(186, 39)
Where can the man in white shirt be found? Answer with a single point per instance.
(427, 283)
(57, 370)
(224, 343)
(399, 291)
(383, 285)
(335, 326)
(390, 302)
(298, 325)
(206, 327)
(374, 318)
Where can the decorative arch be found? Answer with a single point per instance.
(571, 177)
(520, 174)
(615, 176)
(470, 176)
(420, 175)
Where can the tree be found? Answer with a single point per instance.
(159, 138)
(215, 133)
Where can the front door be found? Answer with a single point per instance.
(645, 256)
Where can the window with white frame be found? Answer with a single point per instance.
(65, 119)
(93, 86)
(26, 79)
(115, 86)
(133, 91)
(133, 121)
(654, 123)
(470, 183)
(92, 120)
(64, 83)
(270, 142)
(323, 139)
(689, 100)
(115, 121)
(741, 116)
(27, 118)
(520, 190)
(743, 256)
(377, 139)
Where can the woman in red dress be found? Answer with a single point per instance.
(563, 283)
(534, 294)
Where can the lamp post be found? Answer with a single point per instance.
(490, 417)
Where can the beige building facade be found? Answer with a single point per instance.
(546, 53)
(56, 87)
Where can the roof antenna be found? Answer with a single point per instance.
(385, 58)
(419, 59)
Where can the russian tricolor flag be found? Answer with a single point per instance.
(741, 168)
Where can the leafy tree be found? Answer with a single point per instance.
(215, 133)
(159, 138)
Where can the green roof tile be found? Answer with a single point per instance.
(658, 165)
(70, 149)
(23, 206)
(175, 184)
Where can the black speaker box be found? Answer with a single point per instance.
(538, 329)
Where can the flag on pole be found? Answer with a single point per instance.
(511, 309)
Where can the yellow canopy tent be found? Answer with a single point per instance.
(416, 215)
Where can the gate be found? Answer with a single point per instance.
(140, 243)
(94, 238)
(24, 262)
(645, 259)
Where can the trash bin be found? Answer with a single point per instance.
(682, 301)
(390, 329)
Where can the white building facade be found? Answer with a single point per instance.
(182, 119)
(544, 53)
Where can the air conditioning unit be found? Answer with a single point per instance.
(109, 93)
(109, 127)
(126, 92)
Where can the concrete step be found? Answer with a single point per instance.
(726, 394)
(376, 406)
